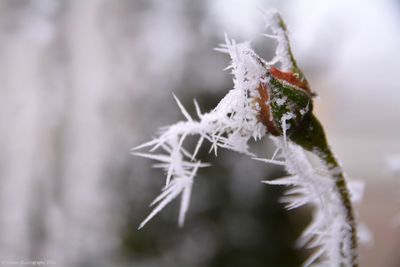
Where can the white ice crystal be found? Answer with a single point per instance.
(282, 52)
(315, 187)
(231, 124)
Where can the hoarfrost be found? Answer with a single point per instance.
(315, 187)
(281, 101)
(231, 124)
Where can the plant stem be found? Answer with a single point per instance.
(311, 136)
(340, 182)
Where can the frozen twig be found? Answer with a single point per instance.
(269, 100)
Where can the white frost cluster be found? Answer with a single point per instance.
(231, 125)
(282, 52)
(315, 187)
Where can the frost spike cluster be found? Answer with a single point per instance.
(231, 124)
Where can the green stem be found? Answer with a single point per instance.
(340, 182)
(311, 136)
(295, 69)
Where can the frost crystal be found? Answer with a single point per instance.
(229, 125)
(238, 118)
(314, 187)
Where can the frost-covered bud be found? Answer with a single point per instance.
(266, 100)
(285, 101)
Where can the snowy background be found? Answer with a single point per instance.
(81, 82)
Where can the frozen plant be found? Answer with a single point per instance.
(269, 98)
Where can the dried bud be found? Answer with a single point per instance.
(285, 101)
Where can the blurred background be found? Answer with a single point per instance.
(83, 81)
